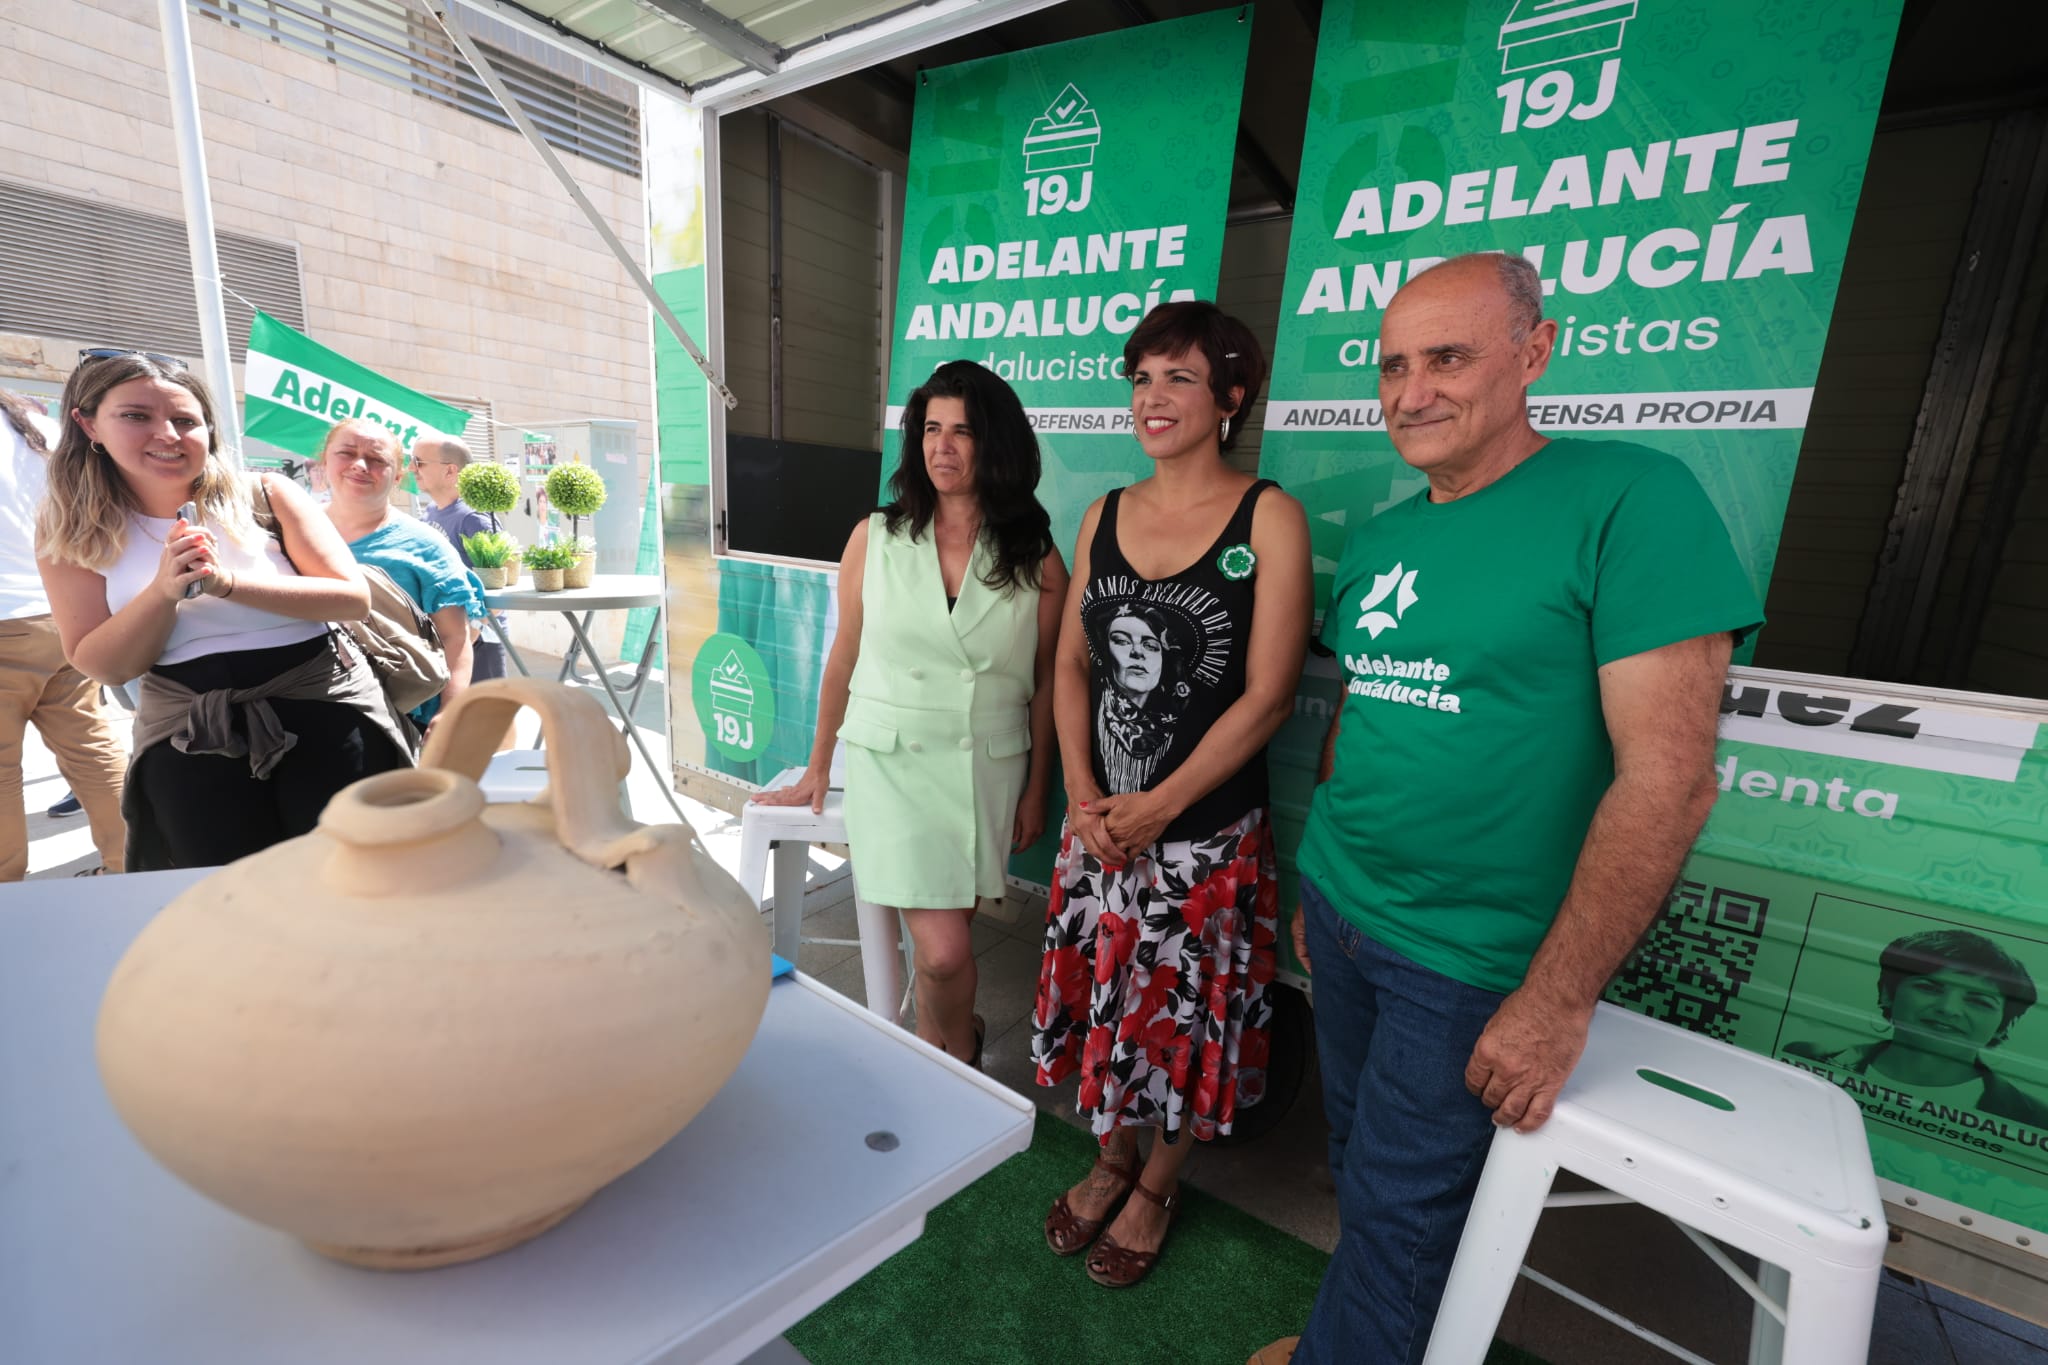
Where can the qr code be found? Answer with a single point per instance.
(1697, 958)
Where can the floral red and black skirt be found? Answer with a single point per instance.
(1155, 980)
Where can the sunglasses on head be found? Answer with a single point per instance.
(169, 362)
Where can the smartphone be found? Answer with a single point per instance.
(189, 513)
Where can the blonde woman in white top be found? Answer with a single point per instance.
(252, 713)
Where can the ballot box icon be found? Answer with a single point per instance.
(1545, 33)
(1064, 137)
(732, 691)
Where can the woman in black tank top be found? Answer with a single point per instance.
(1178, 659)
(1166, 660)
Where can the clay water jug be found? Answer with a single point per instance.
(432, 1028)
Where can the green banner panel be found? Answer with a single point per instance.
(640, 621)
(1054, 196)
(682, 398)
(1683, 176)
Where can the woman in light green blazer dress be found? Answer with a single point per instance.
(940, 681)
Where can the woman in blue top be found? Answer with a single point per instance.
(362, 458)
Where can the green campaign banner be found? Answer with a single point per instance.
(1682, 175)
(1054, 196)
(1869, 903)
(294, 389)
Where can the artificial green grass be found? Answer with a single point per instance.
(981, 1288)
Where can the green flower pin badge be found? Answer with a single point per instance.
(1237, 562)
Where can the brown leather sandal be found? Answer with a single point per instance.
(1119, 1267)
(1069, 1234)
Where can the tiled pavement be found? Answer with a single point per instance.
(1627, 1258)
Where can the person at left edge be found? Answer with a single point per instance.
(251, 714)
(940, 681)
(362, 459)
(37, 685)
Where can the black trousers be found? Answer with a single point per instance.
(208, 809)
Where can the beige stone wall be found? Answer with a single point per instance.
(435, 247)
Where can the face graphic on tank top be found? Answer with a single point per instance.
(1165, 659)
(1155, 646)
(1137, 651)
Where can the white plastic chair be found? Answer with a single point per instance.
(1729, 1146)
(788, 832)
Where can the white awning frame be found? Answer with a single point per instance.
(896, 35)
(768, 73)
(908, 30)
(882, 40)
(488, 74)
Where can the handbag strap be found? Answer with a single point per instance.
(266, 515)
(267, 522)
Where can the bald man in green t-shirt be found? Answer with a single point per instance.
(1532, 652)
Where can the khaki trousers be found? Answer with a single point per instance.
(38, 687)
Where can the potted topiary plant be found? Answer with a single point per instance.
(488, 551)
(549, 563)
(490, 489)
(577, 491)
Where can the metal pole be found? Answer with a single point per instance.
(206, 282)
(711, 136)
(774, 277)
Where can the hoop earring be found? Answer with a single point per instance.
(1226, 430)
(98, 449)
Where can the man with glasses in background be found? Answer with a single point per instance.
(437, 463)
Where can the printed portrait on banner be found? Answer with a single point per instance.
(1930, 1024)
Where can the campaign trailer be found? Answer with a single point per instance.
(1853, 814)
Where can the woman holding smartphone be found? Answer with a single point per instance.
(252, 712)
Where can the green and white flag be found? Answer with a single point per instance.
(295, 389)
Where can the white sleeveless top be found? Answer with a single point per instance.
(207, 625)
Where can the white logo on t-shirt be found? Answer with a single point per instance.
(1384, 584)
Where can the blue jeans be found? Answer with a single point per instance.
(1407, 1142)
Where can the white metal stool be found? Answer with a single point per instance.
(1728, 1145)
(788, 832)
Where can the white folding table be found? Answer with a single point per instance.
(607, 592)
(815, 1163)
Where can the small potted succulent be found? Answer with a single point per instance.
(488, 553)
(490, 489)
(577, 491)
(549, 563)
